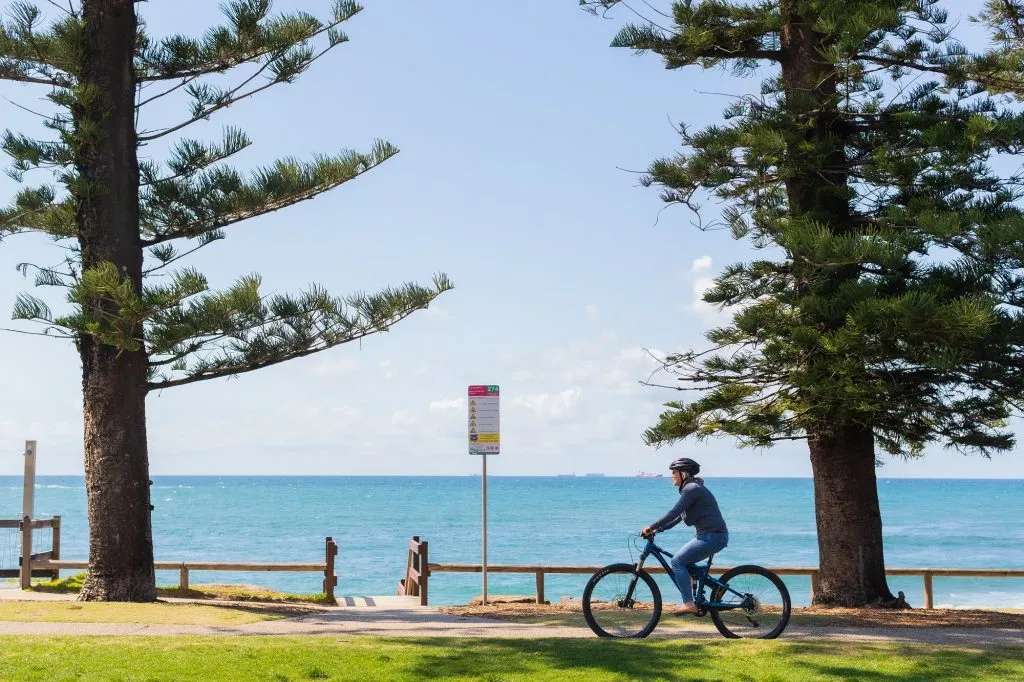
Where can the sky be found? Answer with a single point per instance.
(521, 133)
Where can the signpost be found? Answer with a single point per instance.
(27, 505)
(484, 439)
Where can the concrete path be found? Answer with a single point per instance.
(403, 617)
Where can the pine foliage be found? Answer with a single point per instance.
(190, 332)
(894, 300)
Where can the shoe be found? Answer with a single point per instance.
(685, 610)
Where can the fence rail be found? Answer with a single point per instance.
(539, 571)
(185, 568)
(25, 527)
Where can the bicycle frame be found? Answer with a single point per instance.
(705, 578)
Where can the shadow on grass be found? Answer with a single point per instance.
(727, 661)
(491, 659)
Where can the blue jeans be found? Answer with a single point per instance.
(699, 547)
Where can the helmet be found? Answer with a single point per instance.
(685, 464)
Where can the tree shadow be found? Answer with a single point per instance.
(629, 659)
(498, 659)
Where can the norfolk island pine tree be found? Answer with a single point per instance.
(125, 222)
(891, 317)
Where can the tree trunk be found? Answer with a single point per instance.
(851, 561)
(113, 378)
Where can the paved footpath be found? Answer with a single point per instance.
(401, 617)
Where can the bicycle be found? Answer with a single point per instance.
(631, 611)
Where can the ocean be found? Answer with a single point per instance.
(535, 520)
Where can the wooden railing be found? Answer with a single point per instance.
(414, 584)
(26, 571)
(416, 581)
(185, 568)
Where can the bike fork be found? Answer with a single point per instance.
(628, 601)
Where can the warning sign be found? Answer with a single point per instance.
(484, 427)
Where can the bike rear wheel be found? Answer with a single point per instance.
(763, 604)
(609, 612)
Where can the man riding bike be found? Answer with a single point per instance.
(696, 507)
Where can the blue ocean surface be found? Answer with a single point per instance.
(535, 520)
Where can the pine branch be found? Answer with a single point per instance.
(36, 209)
(251, 35)
(250, 333)
(216, 199)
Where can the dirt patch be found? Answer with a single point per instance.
(811, 617)
(914, 618)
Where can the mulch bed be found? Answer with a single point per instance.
(812, 617)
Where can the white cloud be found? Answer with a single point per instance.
(448, 405)
(437, 311)
(404, 419)
(334, 366)
(388, 370)
(701, 264)
(592, 311)
(551, 405)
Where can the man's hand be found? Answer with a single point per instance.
(647, 532)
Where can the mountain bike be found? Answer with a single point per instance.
(623, 600)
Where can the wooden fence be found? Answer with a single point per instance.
(415, 581)
(27, 570)
(50, 566)
(414, 584)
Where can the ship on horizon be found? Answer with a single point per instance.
(644, 474)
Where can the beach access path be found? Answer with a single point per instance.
(403, 617)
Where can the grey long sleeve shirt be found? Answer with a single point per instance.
(696, 507)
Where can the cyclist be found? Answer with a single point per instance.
(696, 507)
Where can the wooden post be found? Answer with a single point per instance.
(183, 579)
(55, 546)
(540, 587)
(29, 480)
(26, 552)
(424, 572)
(815, 584)
(928, 601)
(330, 579)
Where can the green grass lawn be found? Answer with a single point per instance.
(280, 659)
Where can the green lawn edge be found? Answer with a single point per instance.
(284, 659)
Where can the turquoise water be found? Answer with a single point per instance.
(541, 520)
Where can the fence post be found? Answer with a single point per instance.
(424, 572)
(55, 546)
(815, 584)
(330, 579)
(540, 587)
(928, 590)
(183, 579)
(26, 552)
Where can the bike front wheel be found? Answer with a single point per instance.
(758, 604)
(621, 601)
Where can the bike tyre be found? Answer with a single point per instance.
(775, 580)
(632, 570)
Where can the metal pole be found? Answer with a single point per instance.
(484, 484)
(29, 491)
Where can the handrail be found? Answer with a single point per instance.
(541, 570)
